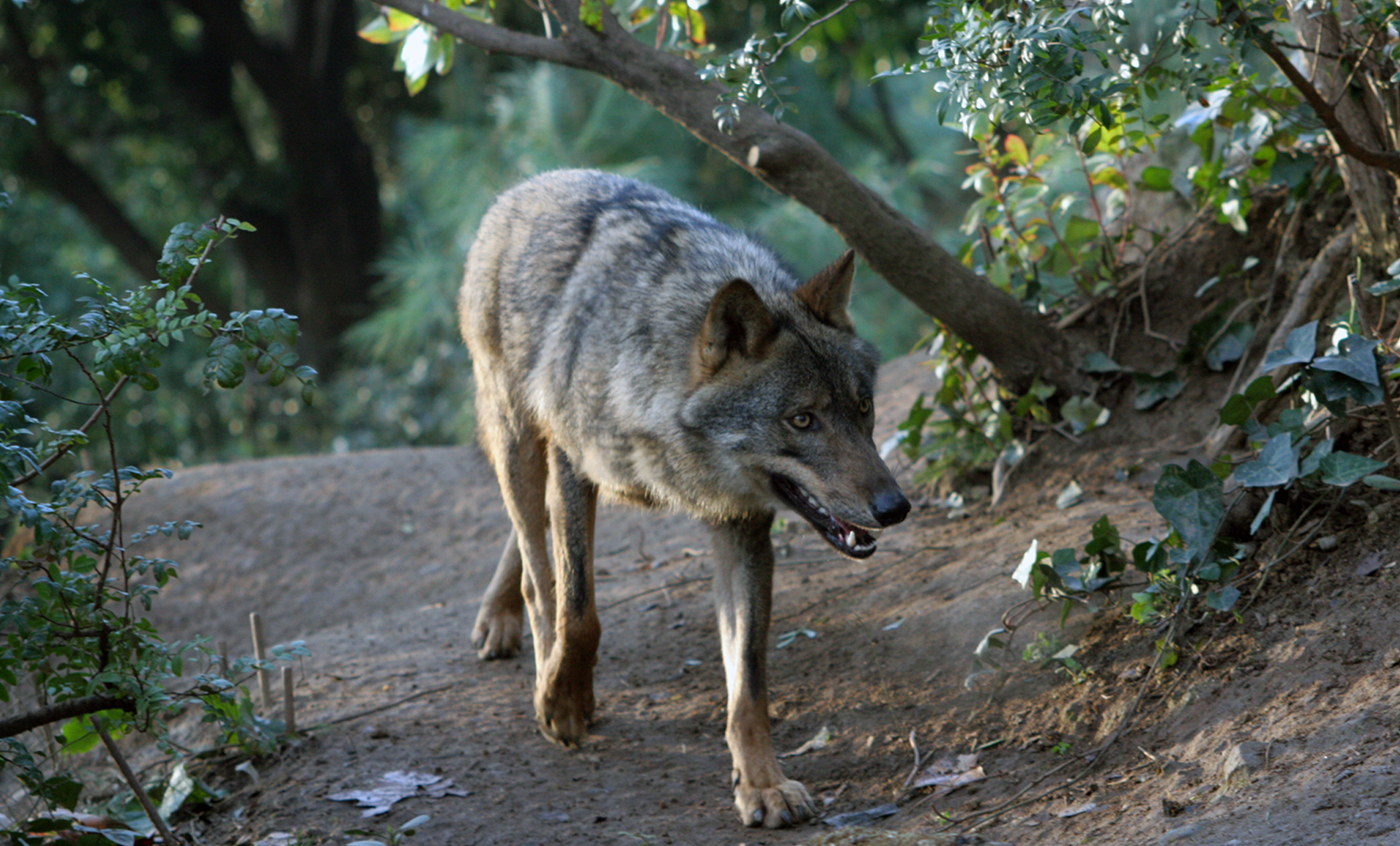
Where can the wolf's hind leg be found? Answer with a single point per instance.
(500, 621)
(564, 682)
(743, 600)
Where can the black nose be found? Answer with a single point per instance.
(890, 507)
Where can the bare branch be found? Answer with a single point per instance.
(1020, 345)
(65, 710)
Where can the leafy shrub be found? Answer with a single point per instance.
(72, 619)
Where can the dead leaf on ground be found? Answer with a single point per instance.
(818, 741)
(396, 786)
(948, 774)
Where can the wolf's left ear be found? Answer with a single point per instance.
(738, 326)
(829, 292)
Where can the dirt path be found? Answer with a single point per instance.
(377, 559)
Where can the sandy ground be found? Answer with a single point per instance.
(376, 560)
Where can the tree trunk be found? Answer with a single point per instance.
(1019, 344)
(1367, 107)
(317, 257)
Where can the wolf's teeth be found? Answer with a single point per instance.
(823, 511)
(851, 538)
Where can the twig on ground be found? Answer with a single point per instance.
(385, 707)
(918, 759)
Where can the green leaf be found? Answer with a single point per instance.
(1263, 512)
(1277, 464)
(1192, 500)
(1334, 388)
(1152, 390)
(1156, 179)
(1355, 358)
(79, 736)
(1083, 414)
(1016, 149)
(1260, 389)
(1230, 346)
(1223, 599)
(1343, 468)
(1381, 483)
(1079, 231)
(1389, 286)
(1091, 141)
(1236, 410)
(591, 13)
(1097, 362)
(378, 31)
(1314, 459)
(1298, 349)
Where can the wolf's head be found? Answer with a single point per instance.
(783, 389)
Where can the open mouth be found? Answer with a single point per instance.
(851, 541)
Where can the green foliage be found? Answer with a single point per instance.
(1194, 563)
(72, 621)
(1048, 651)
(969, 423)
(1037, 242)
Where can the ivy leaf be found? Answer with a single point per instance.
(1152, 390)
(1223, 599)
(1343, 468)
(1263, 512)
(1298, 349)
(1230, 346)
(1192, 500)
(1314, 460)
(1333, 388)
(1355, 358)
(1382, 483)
(1097, 362)
(1277, 464)
(1236, 410)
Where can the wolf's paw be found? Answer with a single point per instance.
(497, 633)
(564, 714)
(785, 803)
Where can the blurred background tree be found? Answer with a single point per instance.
(365, 199)
(149, 112)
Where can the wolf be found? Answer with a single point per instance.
(628, 346)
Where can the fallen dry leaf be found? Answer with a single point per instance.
(818, 741)
(396, 786)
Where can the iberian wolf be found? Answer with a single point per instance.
(628, 345)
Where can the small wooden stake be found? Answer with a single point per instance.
(131, 780)
(288, 708)
(259, 650)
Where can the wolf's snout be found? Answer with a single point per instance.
(890, 507)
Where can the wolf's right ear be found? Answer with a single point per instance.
(828, 294)
(737, 324)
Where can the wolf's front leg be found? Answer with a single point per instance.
(564, 676)
(743, 599)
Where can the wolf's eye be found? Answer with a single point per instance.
(802, 420)
(864, 405)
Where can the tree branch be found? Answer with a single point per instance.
(1017, 343)
(65, 710)
(1384, 159)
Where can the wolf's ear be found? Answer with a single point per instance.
(829, 292)
(738, 324)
